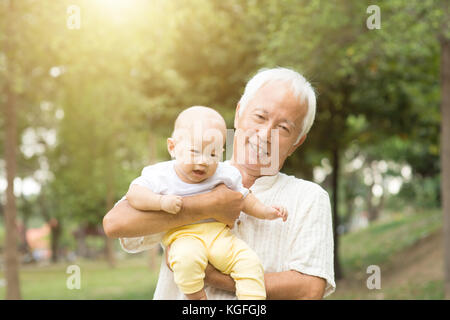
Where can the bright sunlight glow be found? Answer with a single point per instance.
(115, 4)
(120, 12)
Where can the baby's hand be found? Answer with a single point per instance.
(171, 203)
(278, 212)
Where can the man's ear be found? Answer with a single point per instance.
(236, 115)
(171, 147)
(298, 144)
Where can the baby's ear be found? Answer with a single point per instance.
(171, 147)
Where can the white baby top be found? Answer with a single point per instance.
(161, 178)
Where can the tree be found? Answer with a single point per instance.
(10, 109)
(444, 37)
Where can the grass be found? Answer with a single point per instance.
(426, 290)
(130, 279)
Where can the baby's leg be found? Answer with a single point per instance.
(188, 260)
(233, 256)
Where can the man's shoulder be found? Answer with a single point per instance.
(293, 184)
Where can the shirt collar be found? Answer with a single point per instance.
(264, 183)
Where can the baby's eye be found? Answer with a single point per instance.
(195, 151)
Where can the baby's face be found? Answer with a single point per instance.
(197, 154)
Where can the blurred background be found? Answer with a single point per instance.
(90, 90)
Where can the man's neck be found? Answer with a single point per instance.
(247, 178)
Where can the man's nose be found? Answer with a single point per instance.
(265, 133)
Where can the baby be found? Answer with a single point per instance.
(197, 145)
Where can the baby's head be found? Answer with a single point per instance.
(197, 143)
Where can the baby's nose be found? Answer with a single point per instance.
(202, 160)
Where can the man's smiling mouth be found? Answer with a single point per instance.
(258, 150)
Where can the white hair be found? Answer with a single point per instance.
(300, 87)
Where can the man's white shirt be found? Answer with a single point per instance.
(303, 243)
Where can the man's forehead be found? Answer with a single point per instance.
(277, 97)
(267, 113)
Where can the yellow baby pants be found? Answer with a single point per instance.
(192, 246)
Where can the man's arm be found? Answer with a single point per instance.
(285, 285)
(293, 285)
(222, 204)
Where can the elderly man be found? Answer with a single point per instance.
(272, 120)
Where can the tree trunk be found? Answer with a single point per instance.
(24, 245)
(373, 210)
(55, 231)
(370, 207)
(349, 201)
(335, 185)
(445, 155)
(82, 249)
(26, 213)
(11, 254)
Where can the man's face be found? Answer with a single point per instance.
(267, 129)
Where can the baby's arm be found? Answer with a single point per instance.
(255, 208)
(142, 198)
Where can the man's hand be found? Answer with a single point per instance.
(219, 280)
(228, 204)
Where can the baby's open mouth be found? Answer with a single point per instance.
(199, 172)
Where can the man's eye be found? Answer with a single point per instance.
(284, 128)
(260, 117)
